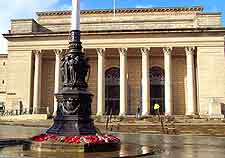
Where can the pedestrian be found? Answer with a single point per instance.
(138, 114)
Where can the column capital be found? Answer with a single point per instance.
(167, 50)
(58, 52)
(100, 51)
(123, 51)
(145, 50)
(37, 52)
(189, 50)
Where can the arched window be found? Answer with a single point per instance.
(112, 76)
(157, 75)
(157, 88)
(112, 90)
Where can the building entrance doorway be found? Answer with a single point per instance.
(112, 91)
(157, 89)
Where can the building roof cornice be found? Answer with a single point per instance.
(114, 32)
(125, 10)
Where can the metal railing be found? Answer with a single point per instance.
(23, 111)
(11, 112)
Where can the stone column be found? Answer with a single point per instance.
(58, 54)
(101, 82)
(145, 81)
(168, 80)
(190, 107)
(37, 81)
(123, 81)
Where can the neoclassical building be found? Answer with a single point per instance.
(170, 56)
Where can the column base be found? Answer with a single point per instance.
(145, 114)
(190, 114)
(34, 111)
(168, 114)
(122, 114)
(99, 114)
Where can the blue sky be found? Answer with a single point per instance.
(27, 8)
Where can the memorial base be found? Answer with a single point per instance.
(73, 114)
(76, 144)
(71, 148)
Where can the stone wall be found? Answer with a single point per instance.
(211, 76)
(19, 78)
(3, 76)
(24, 26)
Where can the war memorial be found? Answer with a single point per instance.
(139, 66)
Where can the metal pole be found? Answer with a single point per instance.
(114, 8)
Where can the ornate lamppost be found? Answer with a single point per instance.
(73, 127)
(74, 100)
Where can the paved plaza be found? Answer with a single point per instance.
(171, 146)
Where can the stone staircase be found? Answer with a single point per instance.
(171, 125)
(155, 119)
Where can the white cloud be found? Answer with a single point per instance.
(11, 9)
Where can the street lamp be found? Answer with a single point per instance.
(73, 122)
(73, 117)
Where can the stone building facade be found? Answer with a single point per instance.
(140, 57)
(3, 78)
